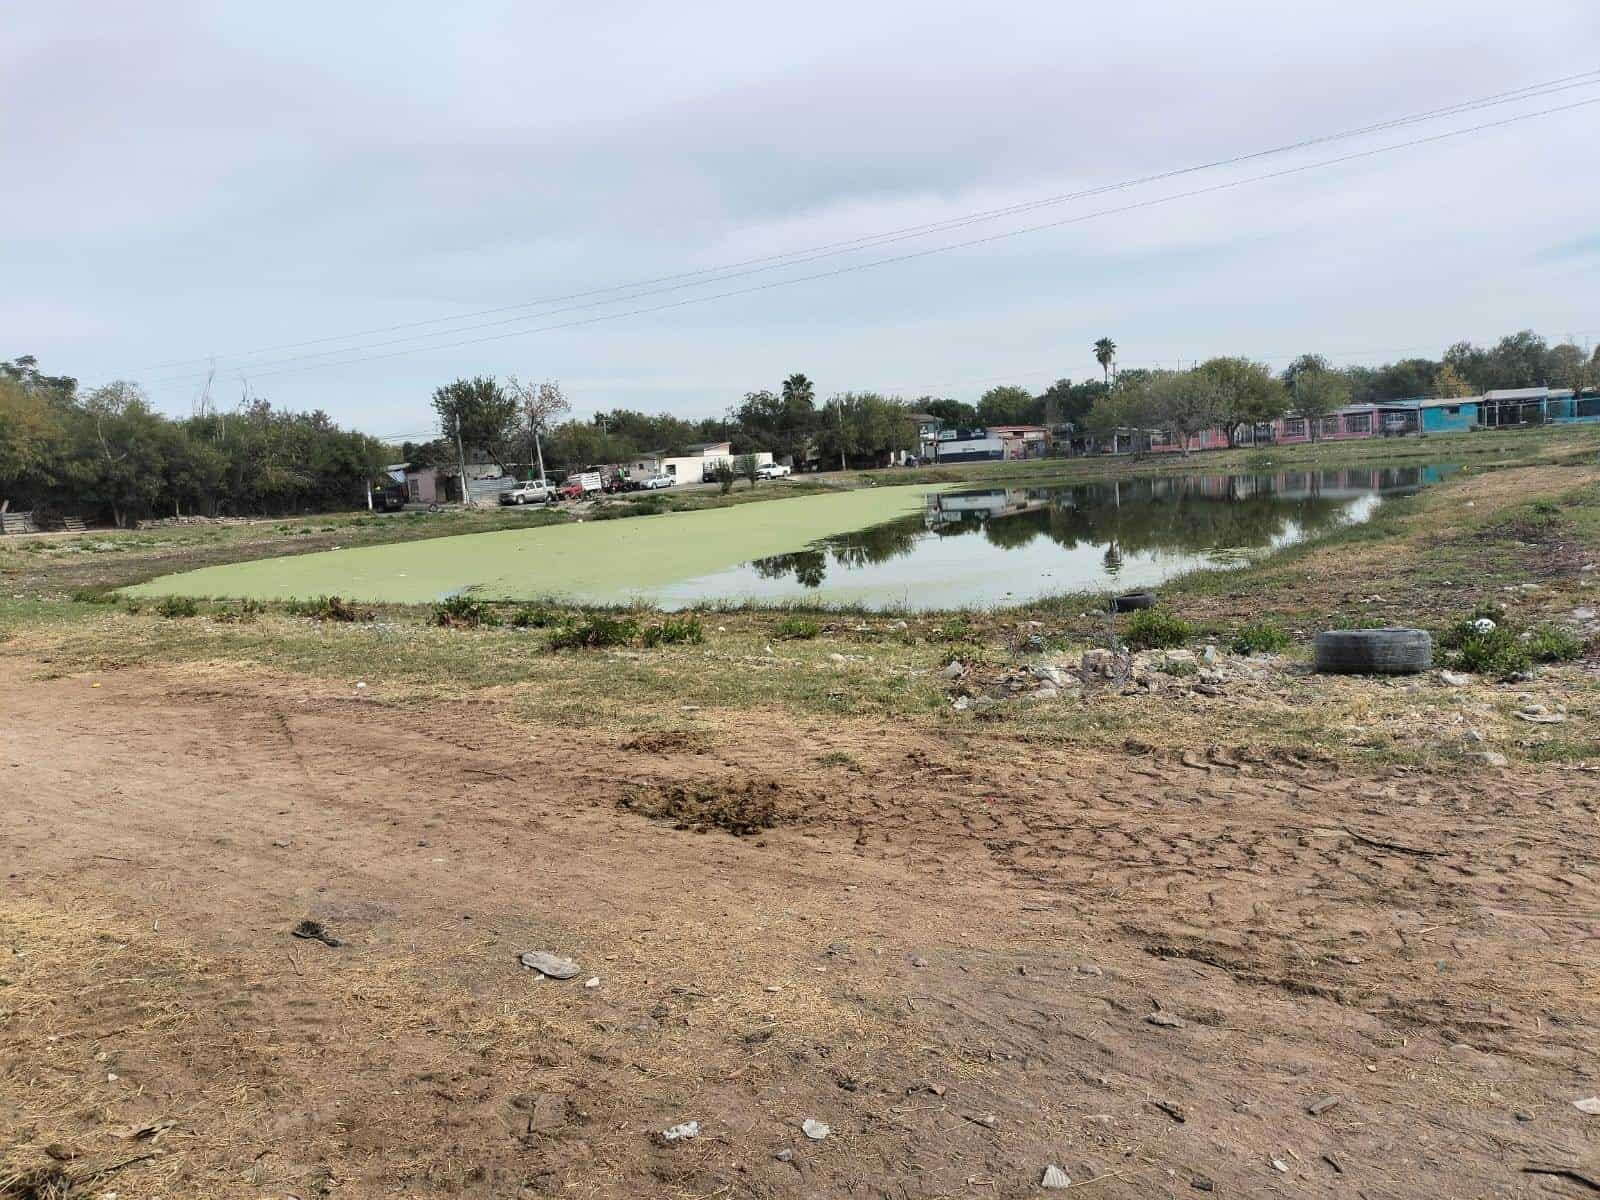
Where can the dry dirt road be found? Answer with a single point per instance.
(970, 959)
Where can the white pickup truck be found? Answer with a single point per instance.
(773, 471)
(533, 491)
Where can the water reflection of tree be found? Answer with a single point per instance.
(1182, 513)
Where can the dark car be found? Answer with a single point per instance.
(389, 499)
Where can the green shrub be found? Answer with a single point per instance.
(595, 633)
(1260, 637)
(177, 607)
(1551, 643)
(1497, 651)
(1546, 508)
(463, 612)
(325, 608)
(796, 629)
(531, 616)
(674, 630)
(94, 595)
(1152, 629)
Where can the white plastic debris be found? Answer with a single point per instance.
(1484, 625)
(815, 1130)
(681, 1133)
(1055, 1178)
(592, 982)
(1589, 1106)
(1279, 1165)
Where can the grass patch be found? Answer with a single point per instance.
(463, 612)
(796, 628)
(673, 631)
(1552, 644)
(596, 633)
(1485, 645)
(533, 616)
(177, 607)
(325, 608)
(1260, 637)
(1152, 629)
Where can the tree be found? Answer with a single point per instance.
(724, 475)
(1065, 401)
(953, 413)
(1185, 403)
(479, 413)
(1105, 353)
(33, 442)
(864, 424)
(747, 466)
(1007, 405)
(538, 406)
(783, 424)
(1317, 394)
(1448, 383)
(1246, 393)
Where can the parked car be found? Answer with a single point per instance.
(656, 482)
(533, 491)
(773, 471)
(389, 499)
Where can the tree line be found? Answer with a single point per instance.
(106, 454)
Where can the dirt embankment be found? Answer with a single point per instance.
(970, 956)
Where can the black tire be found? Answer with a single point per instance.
(1133, 602)
(1393, 651)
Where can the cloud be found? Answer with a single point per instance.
(205, 180)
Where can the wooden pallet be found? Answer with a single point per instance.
(73, 524)
(17, 522)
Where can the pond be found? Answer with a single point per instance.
(909, 547)
(985, 547)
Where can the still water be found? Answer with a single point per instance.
(982, 547)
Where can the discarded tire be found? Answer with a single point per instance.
(1134, 601)
(1374, 651)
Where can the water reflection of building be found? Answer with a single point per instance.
(949, 508)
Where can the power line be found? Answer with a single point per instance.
(966, 244)
(711, 275)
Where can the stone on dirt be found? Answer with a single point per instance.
(784, 1156)
(815, 1130)
(1490, 758)
(1165, 1020)
(1589, 1106)
(954, 669)
(1055, 1179)
(1454, 678)
(681, 1133)
(551, 966)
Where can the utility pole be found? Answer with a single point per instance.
(461, 457)
(538, 448)
(842, 465)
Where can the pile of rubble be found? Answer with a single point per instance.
(1207, 672)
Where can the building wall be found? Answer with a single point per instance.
(969, 449)
(1449, 418)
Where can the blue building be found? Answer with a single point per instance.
(1449, 416)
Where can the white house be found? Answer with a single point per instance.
(690, 467)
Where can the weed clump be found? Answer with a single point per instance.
(1260, 637)
(177, 607)
(463, 612)
(531, 616)
(94, 595)
(326, 608)
(595, 633)
(796, 629)
(1552, 644)
(1152, 629)
(674, 630)
(1485, 645)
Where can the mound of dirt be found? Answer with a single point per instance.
(741, 807)
(662, 741)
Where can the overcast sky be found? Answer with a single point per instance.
(190, 180)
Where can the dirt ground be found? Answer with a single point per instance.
(970, 955)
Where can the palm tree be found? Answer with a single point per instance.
(1105, 353)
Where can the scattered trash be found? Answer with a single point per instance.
(549, 965)
(1279, 1165)
(1589, 1106)
(1172, 1110)
(1454, 678)
(1165, 1020)
(815, 1130)
(1338, 1167)
(1055, 1179)
(592, 982)
(784, 1156)
(681, 1133)
(987, 1120)
(1317, 1107)
(1484, 625)
(315, 931)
